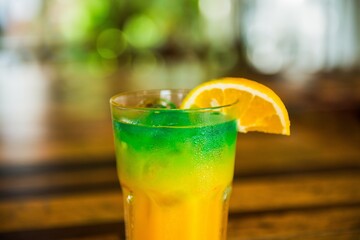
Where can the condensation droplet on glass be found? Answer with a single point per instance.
(130, 198)
(227, 193)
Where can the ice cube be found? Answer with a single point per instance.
(157, 103)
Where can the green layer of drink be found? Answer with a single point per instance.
(167, 151)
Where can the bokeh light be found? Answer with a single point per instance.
(75, 20)
(111, 43)
(215, 10)
(142, 32)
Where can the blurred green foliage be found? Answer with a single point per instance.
(117, 28)
(136, 34)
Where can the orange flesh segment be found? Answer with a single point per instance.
(258, 108)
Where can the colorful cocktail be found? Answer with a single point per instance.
(175, 166)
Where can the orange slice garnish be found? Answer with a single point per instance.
(257, 107)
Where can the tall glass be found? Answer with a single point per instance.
(175, 166)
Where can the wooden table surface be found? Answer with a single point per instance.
(58, 179)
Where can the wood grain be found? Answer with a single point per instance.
(327, 223)
(302, 187)
(310, 201)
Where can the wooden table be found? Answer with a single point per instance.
(61, 183)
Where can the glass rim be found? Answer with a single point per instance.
(113, 102)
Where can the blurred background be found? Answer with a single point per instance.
(61, 60)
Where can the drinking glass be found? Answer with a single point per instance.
(175, 166)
